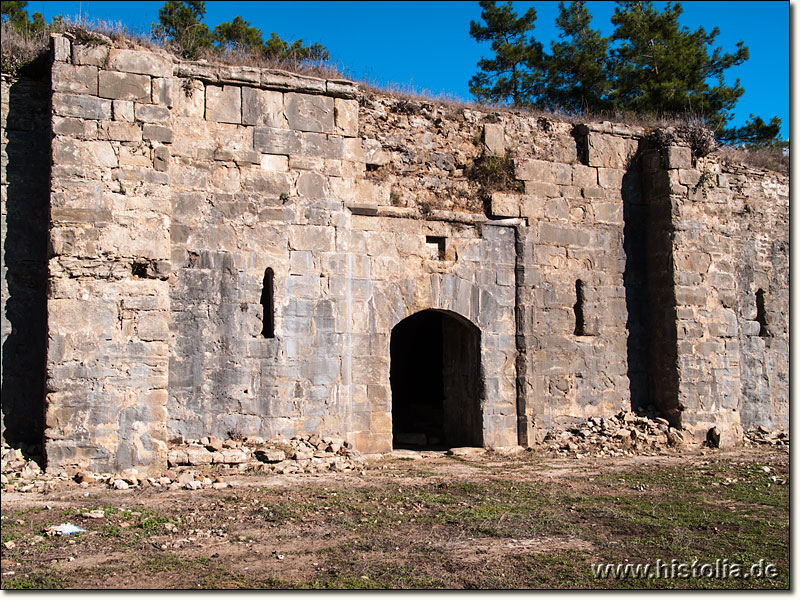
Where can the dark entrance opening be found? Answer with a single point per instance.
(436, 383)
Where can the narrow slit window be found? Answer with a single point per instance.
(761, 314)
(268, 303)
(580, 323)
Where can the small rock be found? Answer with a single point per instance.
(303, 454)
(119, 484)
(465, 451)
(9, 545)
(214, 444)
(270, 455)
(185, 477)
(94, 514)
(193, 485)
(85, 478)
(674, 437)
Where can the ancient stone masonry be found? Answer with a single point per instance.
(243, 252)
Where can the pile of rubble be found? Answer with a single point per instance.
(21, 470)
(761, 436)
(195, 464)
(624, 434)
(300, 454)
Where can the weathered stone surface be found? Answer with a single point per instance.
(74, 79)
(262, 108)
(61, 48)
(679, 157)
(123, 110)
(224, 103)
(83, 107)
(94, 55)
(494, 138)
(276, 141)
(346, 117)
(505, 204)
(139, 61)
(124, 86)
(234, 260)
(157, 133)
(305, 112)
(163, 91)
(150, 113)
(610, 151)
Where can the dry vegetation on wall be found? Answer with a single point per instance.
(26, 55)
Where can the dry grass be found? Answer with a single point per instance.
(771, 159)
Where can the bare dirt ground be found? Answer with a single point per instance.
(418, 521)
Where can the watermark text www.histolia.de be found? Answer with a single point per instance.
(721, 568)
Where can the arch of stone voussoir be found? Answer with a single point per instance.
(476, 304)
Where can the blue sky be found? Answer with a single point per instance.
(425, 46)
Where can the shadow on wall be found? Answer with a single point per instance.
(635, 280)
(24, 327)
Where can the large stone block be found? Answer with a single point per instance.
(224, 103)
(190, 100)
(124, 86)
(74, 79)
(534, 170)
(139, 61)
(608, 212)
(562, 236)
(310, 113)
(311, 185)
(82, 107)
(162, 91)
(61, 48)
(494, 139)
(150, 113)
(679, 157)
(346, 117)
(270, 140)
(262, 108)
(157, 133)
(505, 204)
(94, 55)
(124, 132)
(610, 151)
(87, 153)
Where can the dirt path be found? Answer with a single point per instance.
(484, 521)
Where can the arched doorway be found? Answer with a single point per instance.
(436, 382)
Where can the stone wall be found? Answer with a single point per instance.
(726, 246)
(232, 249)
(108, 303)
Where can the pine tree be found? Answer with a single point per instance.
(14, 13)
(240, 35)
(577, 68)
(181, 22)
(515, 74)
(755, 134)
(278, 48)
(661, 68)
